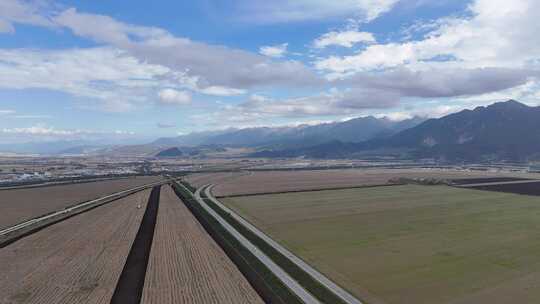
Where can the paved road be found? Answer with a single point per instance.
(340, 292)
(293, 285)
(47, 184)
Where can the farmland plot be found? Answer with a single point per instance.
(186, 265)
(283, 181)
(77, 260)
(200, 179)
(411, 244)
(23, 204)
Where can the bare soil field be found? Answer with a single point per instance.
(525, 188)
(78, 260)
(200, 179)
(411, 243)
(283, 181)
(186, 265)
(23, 204)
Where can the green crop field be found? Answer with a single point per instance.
(411, 244)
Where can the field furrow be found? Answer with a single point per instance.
(186, 265)
(78, 260)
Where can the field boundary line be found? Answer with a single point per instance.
(308, 190)
(18, 231)
(529, 181)
(292, 284)
(321, 278)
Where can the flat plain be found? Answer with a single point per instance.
(201, 179)
(78, 260)
(186, 265)
(282, 181)
(22, 204)
(411, 244)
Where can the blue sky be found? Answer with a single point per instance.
(137, 70)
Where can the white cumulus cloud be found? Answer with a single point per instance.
(42, 130)
(275, 51)
(174, 97)
(343, 38)
(24, 12)
(111, 76)
(212, 65)
(44, 133)
(497, 33)
(221, 91)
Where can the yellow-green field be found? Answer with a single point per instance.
(411, 244)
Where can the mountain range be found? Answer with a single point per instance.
(502, 131)
(353, 130)
(200, 143)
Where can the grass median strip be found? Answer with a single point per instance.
(269, 287)
(306, 280)
(188, 185)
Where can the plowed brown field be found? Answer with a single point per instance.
(284, 181)
(186, 265)
(77, 260)
(200, 179)
(23, 204)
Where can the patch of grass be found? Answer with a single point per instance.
(188, 185)
(410, 244)
(306, 280)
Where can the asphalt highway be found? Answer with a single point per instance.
(293, 285)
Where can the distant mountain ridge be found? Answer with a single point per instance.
(170, 152)
(502, 131)
(354, 130)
